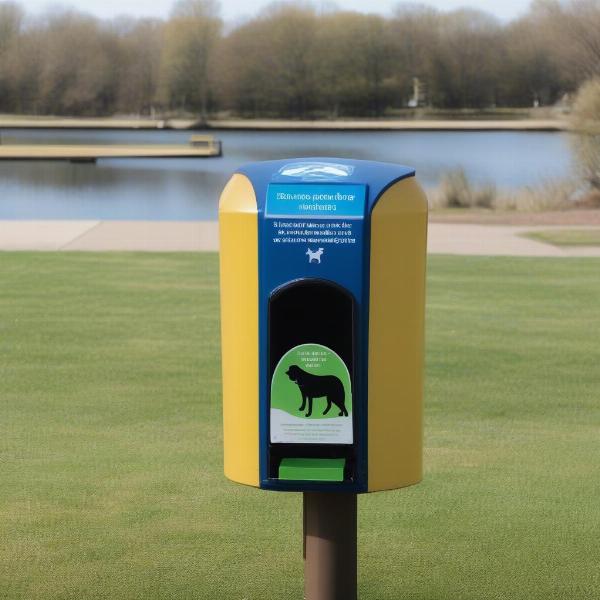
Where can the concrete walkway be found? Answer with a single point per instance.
(499, 240)
(145, 236)
(172, 236)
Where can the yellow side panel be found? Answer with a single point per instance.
(238, 233)
(396, 336)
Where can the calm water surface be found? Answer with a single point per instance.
(188, 189)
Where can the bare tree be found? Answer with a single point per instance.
(140, 48)
(341, 84)
(270, 62)
(530, 72)
(291, 30)
(292, 60)
(415, 38)
(11, 19)
(78, 74)
(244, 82)
(465, 60)
(191, 36)
(574, 26)
(586, 117)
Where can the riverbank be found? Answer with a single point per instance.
(392, 125)
(114, 123)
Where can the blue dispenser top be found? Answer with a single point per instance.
(377, 176)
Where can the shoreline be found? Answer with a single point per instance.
(393, 125)
(8, 122)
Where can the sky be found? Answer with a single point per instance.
(232, 10)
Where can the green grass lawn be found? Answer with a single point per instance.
(566, 237)
(111, 480)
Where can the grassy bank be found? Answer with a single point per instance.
(567, 237)
(110, 440)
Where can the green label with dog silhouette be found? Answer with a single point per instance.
(311, 398)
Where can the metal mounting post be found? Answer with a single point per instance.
(330, 540)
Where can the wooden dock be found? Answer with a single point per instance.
(92, 153)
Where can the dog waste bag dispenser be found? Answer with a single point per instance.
(322, 300)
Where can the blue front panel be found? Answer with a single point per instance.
(314, 226)
(290, 241)
(313, 231)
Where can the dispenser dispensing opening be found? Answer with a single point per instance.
(312, 399)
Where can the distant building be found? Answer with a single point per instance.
(419, 95)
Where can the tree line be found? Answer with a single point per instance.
(292, 60)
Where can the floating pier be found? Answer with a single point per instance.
(206, 148)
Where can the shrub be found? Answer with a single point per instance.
(586, 148)
(456, 191)
(586, 108)
(549, 195)
(586, 120)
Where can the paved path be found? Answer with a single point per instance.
(159, 236)
(171, 236)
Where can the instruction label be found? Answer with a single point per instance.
(311, 398)
(317, 232)
(316, 200)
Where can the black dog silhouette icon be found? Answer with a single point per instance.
(318, 386)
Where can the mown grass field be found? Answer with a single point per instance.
(110, 440)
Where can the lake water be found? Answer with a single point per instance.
(188, 189)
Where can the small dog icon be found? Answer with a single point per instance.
(316, 256)
(318, 386)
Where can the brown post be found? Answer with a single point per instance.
(329, 546)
